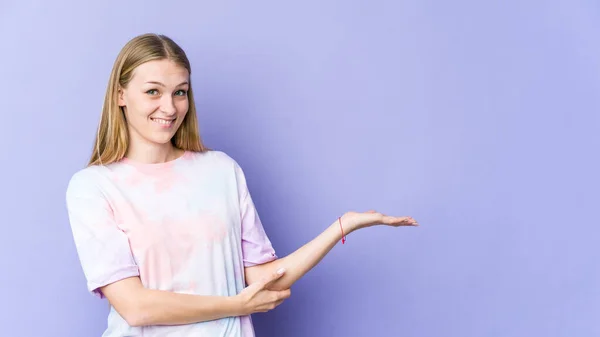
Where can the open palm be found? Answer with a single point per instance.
(356, 220)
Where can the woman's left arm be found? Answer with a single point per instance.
(300, 262)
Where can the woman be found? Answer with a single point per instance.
(165, 228)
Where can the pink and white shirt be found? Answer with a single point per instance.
(186, 226)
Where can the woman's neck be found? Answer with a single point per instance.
(152, 153)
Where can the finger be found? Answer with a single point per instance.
(273, 277)
(278, 296)
(394, 219)
(408, 221)
(400, 221)
(285, 294)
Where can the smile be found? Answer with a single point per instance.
(163, 122)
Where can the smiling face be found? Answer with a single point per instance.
(155, 102)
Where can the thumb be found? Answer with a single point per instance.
(273, 277)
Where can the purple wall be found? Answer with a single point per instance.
(479, 119)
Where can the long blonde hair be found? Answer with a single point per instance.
(112, 138)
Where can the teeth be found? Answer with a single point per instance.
(162, 121)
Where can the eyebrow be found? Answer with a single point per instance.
(162, 85)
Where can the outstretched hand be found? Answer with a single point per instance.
(356, 220)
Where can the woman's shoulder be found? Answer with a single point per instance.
(86, 179)
(215, 157)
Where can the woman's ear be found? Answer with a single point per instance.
(120, 95)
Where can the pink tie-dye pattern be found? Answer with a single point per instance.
(195, 249)
(133, 180)
(168, 180)
(165, 175)
(179, 241)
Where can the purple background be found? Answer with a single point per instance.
(478, 118)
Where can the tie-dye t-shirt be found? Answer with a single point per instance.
(186, 226)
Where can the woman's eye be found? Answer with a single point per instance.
(152, 92)
(180, 93)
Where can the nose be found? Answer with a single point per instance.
(167, 105)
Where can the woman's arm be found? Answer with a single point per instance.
(105, 255)
(140, 306)
(309, 255)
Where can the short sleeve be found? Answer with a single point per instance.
(256, 246)
(103, 249)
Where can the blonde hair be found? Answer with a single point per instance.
(112, 138)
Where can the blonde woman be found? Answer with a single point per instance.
(165, 228)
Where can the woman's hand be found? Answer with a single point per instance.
(258, 298)
(352, 221)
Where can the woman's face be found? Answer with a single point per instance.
(155, 101)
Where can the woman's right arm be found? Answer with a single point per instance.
(140, 306)
(109, 267)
